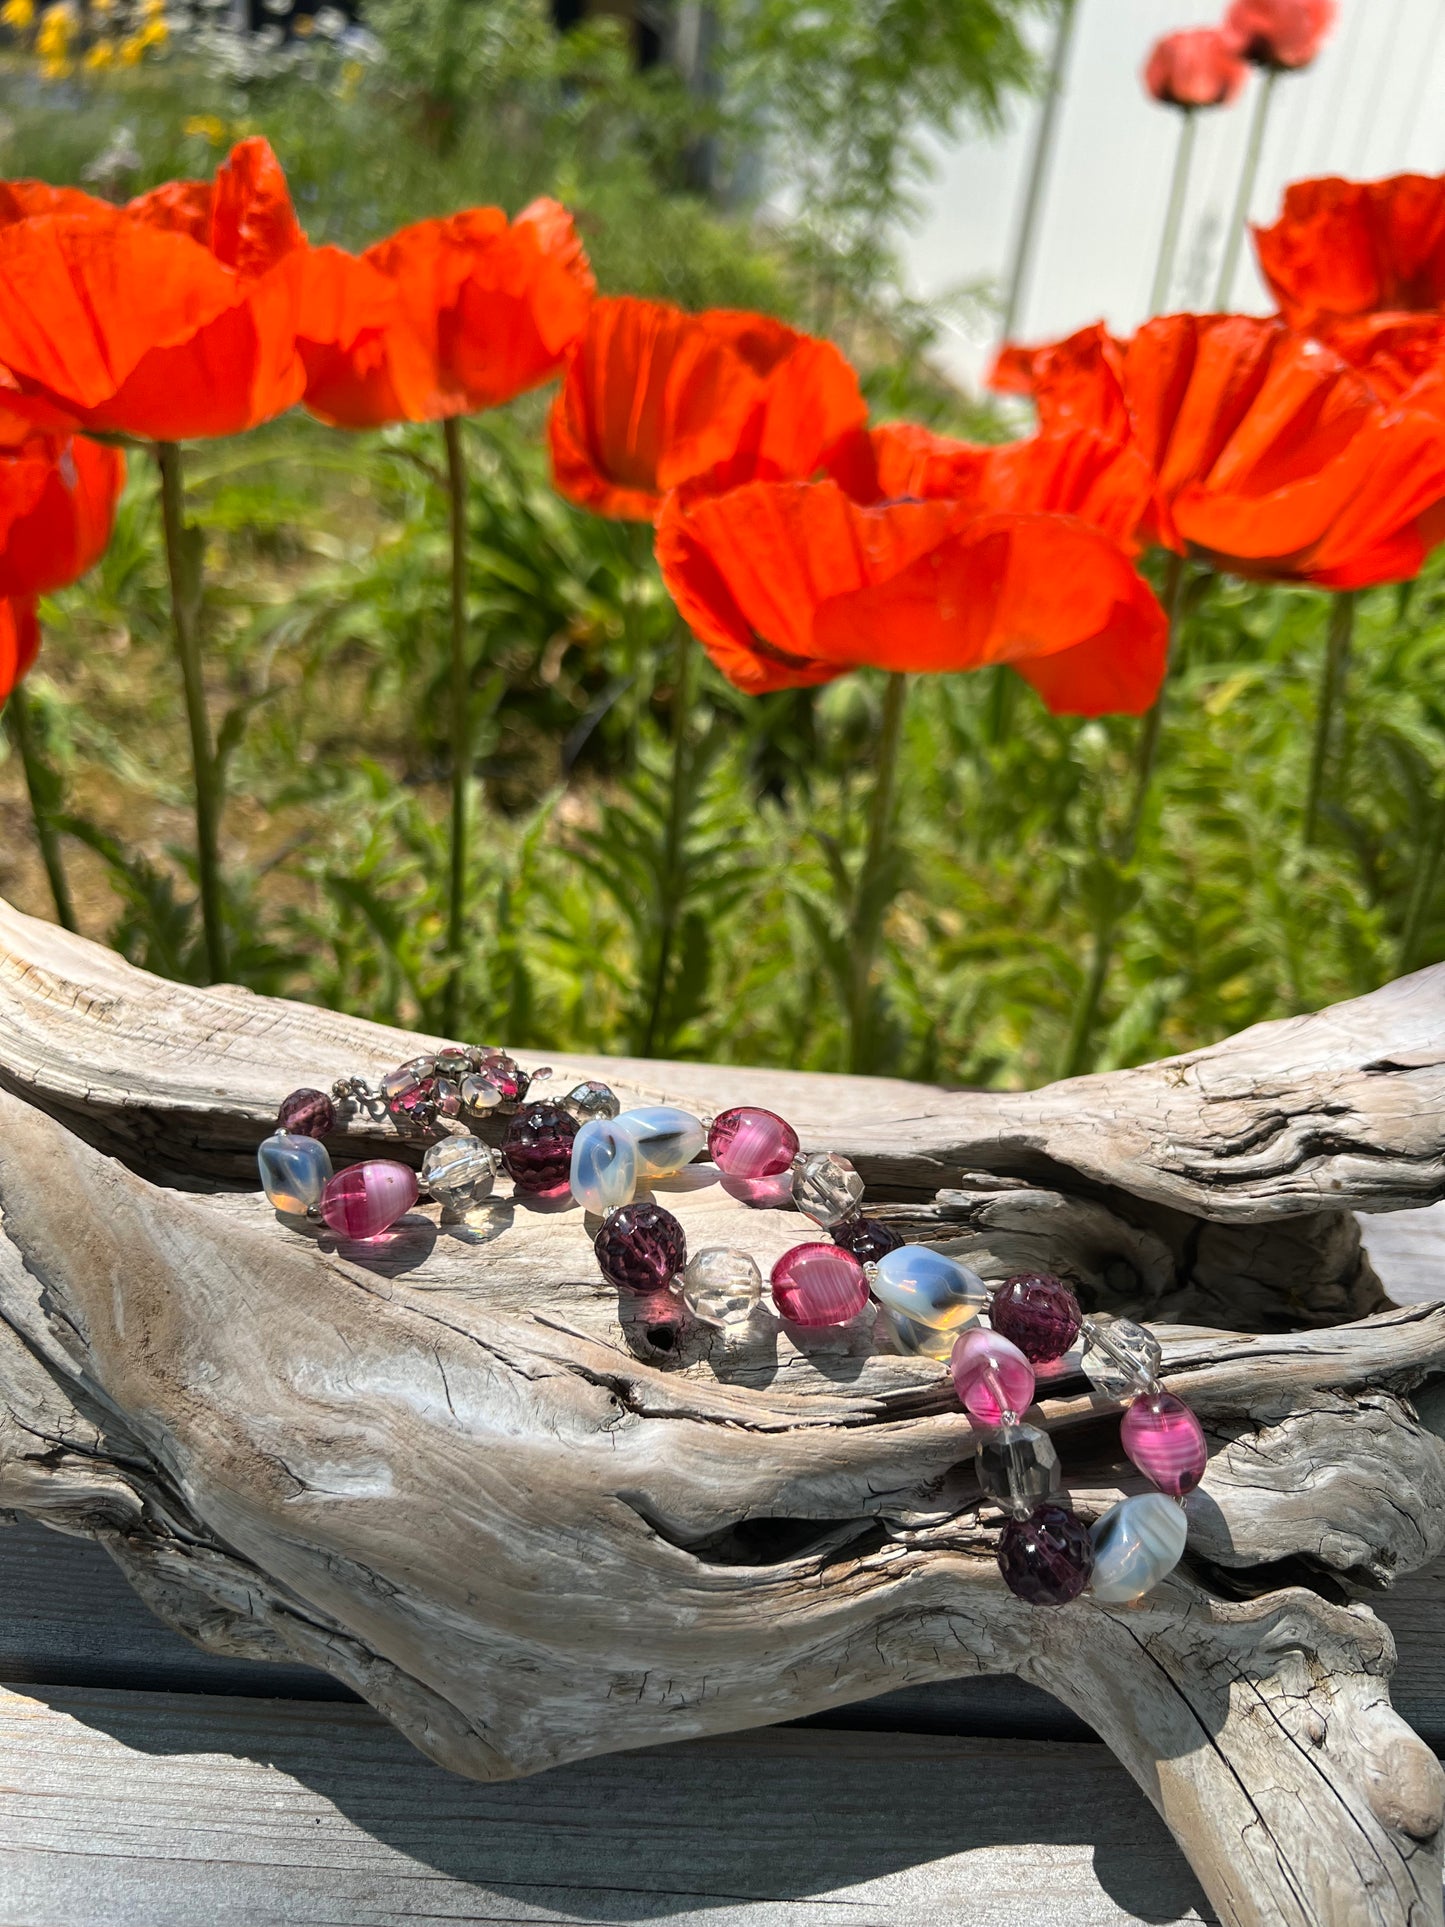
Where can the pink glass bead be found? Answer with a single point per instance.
(364, 1199)
(307, 1113)
(1166, 1441)
(749, 1143)
(991, 1375)
(819, 1285)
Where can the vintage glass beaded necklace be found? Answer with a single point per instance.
(931, 1304)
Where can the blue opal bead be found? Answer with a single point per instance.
(927, 1287)
(664, 1138)
(1136, 1544)
(604, 1166)
(295, 1170)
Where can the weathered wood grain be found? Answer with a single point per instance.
(134, 1810)
(532, 1525)
(1334, 1110)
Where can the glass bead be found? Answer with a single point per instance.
(1166, 1441)
(1018, 1466)
(1121, 1358)
(479, 1093)
(460, 1172)
(664, 1138)
(991, 1375)
(453, 1062)
(604, 1166)
(1136, 1544)
(366, 1199)
(589, 1100)
(1039, 1313)
(750, 1143)
(295, 1170)
(503, 1073)
(867, 1238)
(826, 1188)
(410, 1087)
(641, 1247)
(928, 1287)
(1046, 1558)
(307, 1113)
(537, 1150)
(721, 1286)
(448, 1098)
(819, 1285)
(915, 1340)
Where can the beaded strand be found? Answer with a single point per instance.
(585, 1145)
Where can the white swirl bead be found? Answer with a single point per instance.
(721, 1286)
(915, 1340)
(604, 1166)
(927, 1287)
(1136, 1544)
(664, 1138)
(295, 1170)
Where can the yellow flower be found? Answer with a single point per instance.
(153, 9)
(131, 51)
(352, 75)
(303, 26)
(57, 23)
(155, 33)
(56, 68)
(206, 127)
(101, 56)
(101, 6)
(18, 14)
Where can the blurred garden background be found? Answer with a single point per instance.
(764, 155)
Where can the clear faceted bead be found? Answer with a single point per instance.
(1018, 1466)
(460, 1172)
(826, 1188)
(591, 1100)
(1121, 1359)
(721, 1286)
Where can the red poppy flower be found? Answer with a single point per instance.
(791, 583)
(1345, 248)
(1196, 68)
(57, 507)
(1074, 383)
(19, 641)
(443, 318)
(1103, 481)
(1271, 457)
(1279, 33)
(171, 318)
(654, 397)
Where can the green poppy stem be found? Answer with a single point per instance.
(1334, 674)
(1239, 217)
(184, 548)
(43, 785)
(1174, 213)
(1422, 893)
(1044, 135)
(463, 727)
(870, 898)
(671, 880)
(1146, 759)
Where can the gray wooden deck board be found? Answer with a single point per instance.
(149, 1810)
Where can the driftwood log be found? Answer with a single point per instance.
(531, 1524)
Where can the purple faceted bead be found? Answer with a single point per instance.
(307, 1114)
(1046, 1558)
(641, 1247)
(866, 1238)
(1038, 1313)
(537, 1150)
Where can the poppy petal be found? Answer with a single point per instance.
(19, 641)
(1011, 588)
(57, 508)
